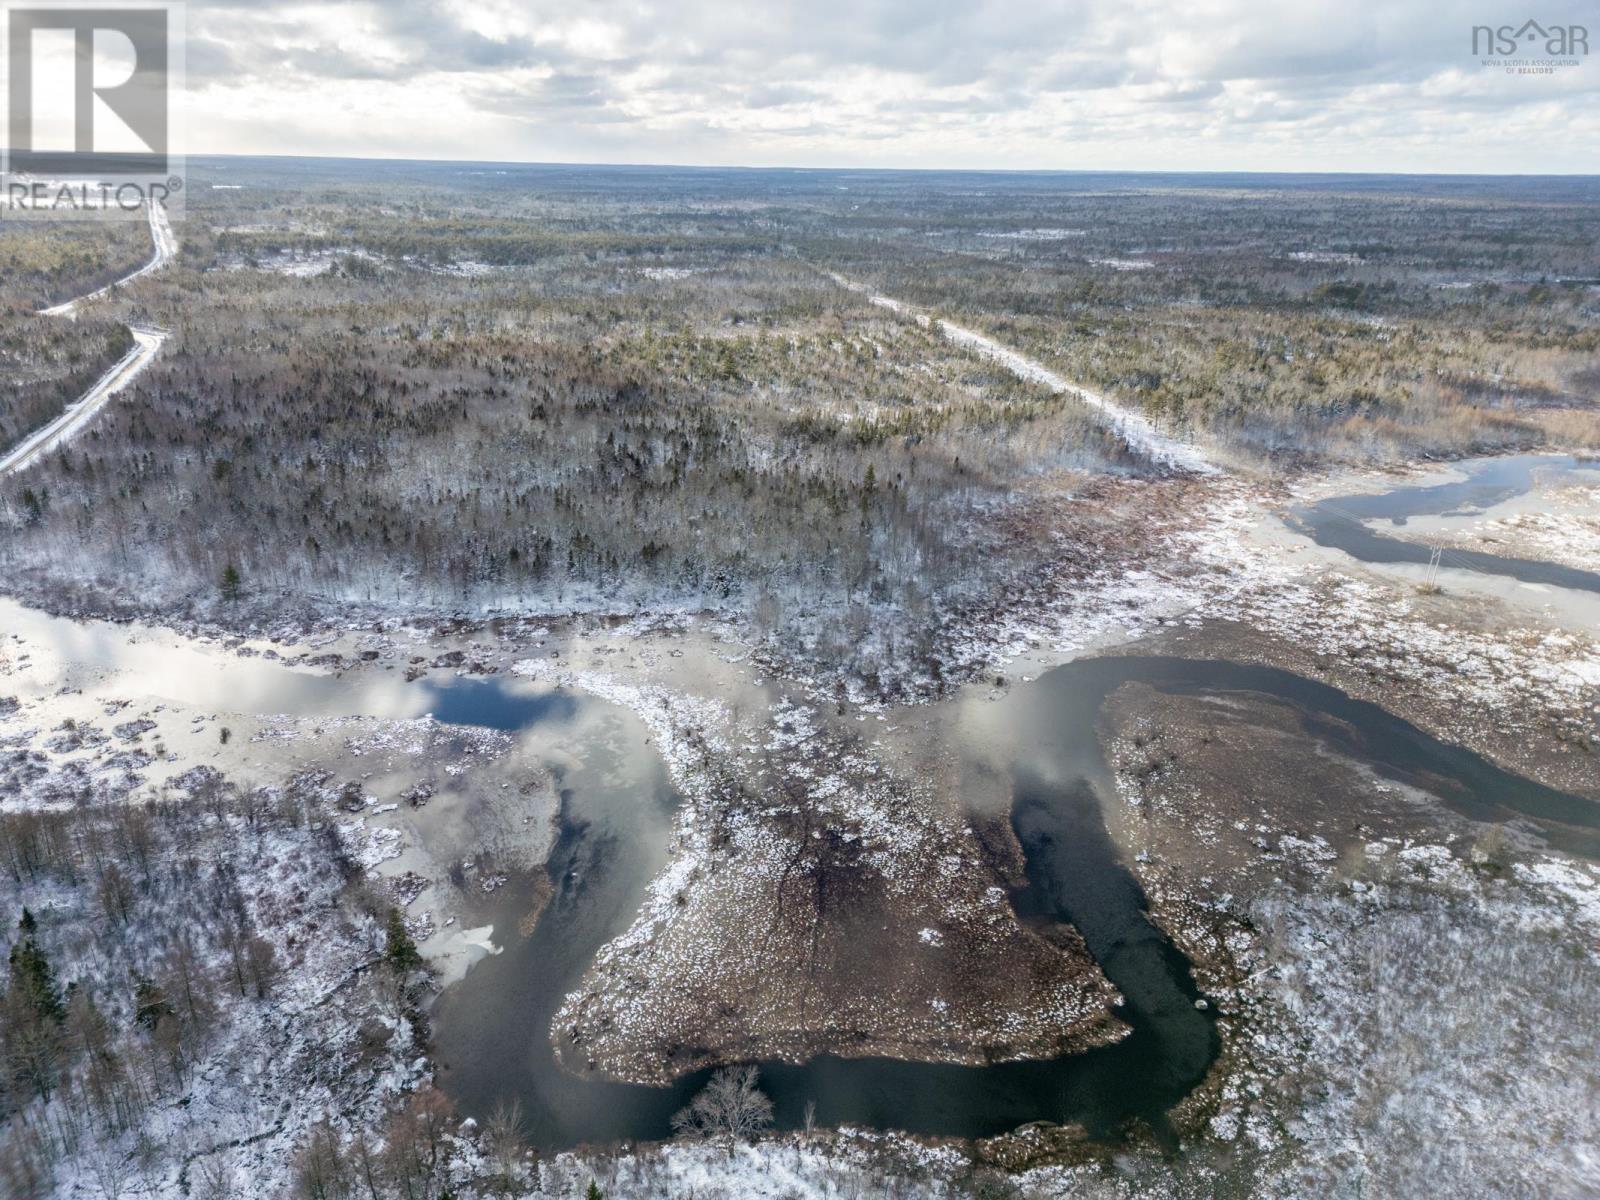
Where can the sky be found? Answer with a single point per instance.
(1290, 85)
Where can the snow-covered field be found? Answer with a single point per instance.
(1427, 1029)
(313, 263)
(1045, 234)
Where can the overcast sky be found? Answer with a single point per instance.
(1146, 84)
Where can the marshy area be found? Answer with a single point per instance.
(1100, 707)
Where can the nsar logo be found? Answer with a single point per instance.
(1530, 48)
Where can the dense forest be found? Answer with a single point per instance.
(49, 363)
(553, 389)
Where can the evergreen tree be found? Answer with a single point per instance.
(399, 951)
(232, 583)
(33, 980)
(150, 1004)
(594, 1192)
(31, 1015)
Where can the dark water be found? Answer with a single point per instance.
(1337, 522)
(489, 704)
(617, 806)
(492, 1029)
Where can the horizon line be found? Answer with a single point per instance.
(692, 166)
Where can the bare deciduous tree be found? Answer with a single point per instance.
(24, 1166)
(320, 1171)
(262, 960)
(214, 1178)
(415, 1151)
(730, 1104)
(506, 1145)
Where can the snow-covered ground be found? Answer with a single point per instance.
(1427, 1029)
(1249, 570)
(1330, 257)
(301, 264)
(1558, 524)
(1123, 264)
(318, 261)
(1043, 234)
(257, 1041)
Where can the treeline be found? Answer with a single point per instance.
(656, 397)
(1297, 323)
(753, 438)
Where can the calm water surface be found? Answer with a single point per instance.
(616, 811)
(1343, 522)
(492, 1028)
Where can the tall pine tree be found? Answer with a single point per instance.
(399, 951)
(33, 980)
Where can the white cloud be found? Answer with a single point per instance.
(1336, 84)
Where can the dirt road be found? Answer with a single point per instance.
(146, 345)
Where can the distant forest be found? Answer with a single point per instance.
(435, 387)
